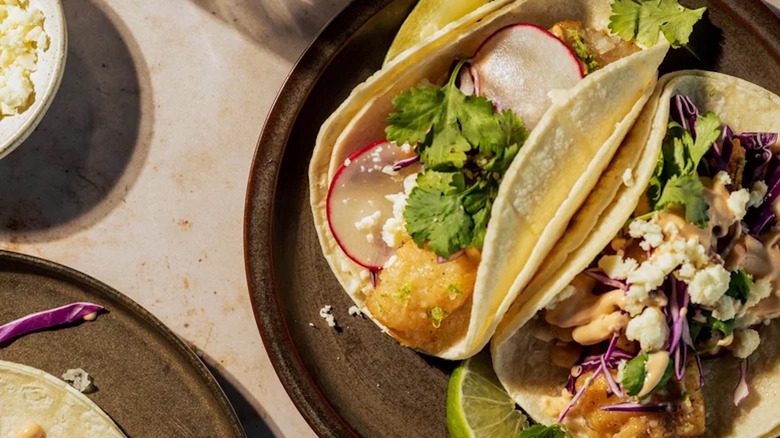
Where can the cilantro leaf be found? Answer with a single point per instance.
(688, 192)
(439, 219)
(708, 131)
(643, 20)
(542, 431)
(634, 374)
(739, 285)
(447, 183)
(418, 109)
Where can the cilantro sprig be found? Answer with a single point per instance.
(643, 20)
(465, 147)
(542, 431)
(675, 181)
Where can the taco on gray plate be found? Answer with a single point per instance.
(658, 321)
(440, 185)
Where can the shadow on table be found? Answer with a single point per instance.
(254, 423)
(88, 150)
(285, 27)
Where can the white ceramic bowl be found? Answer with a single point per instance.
(46, 80)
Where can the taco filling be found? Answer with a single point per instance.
(413, 209)
(693, 276)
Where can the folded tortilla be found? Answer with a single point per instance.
(31, 398)
(547, 182)
(522, 361)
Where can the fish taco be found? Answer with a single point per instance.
(442, 182)
(658, 321)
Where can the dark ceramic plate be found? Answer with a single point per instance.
(148, 380)
(357, 381)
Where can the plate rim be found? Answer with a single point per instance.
(294, 375)
(82, 280)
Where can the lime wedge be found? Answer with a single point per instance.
(477, 404)
(426, 18)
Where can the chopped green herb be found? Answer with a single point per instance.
(687, 191)
(675, 181)
(465, 147)
(582, 52)
(405, 292)
(454, 291)
(643, 20)
(437, 315)
(725, 327)
(739, 285)
(542, 431)
(634, 374)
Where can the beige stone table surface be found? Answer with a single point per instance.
(137, 174)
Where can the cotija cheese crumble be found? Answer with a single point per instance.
(21, 37)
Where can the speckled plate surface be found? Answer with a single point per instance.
(148, 380)
(358, 381)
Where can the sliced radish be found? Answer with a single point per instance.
(357, 207)
(519, 65)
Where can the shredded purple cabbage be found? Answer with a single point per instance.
(761, 163)
(684, 112)
(600, 276)
(400, 164)
(639, 407)
(742, 390)
(69, 314)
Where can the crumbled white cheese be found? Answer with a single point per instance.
(709, 284)
(388, 170)
(406, 148)
(368, 222)
(737, 203)
(21, 37)
(745, 343)
(327, 315)
(723, 177)
(726, 308)
(79, 379)
(649, 328)
(347, 162)
(651, 233)
(645, 279)
(355, 311)
(370, 237)
(757, 194)
(628, 178)
(616, 267)
(394, 228)
(759, 290)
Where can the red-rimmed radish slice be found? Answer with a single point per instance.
(519, 65)
(357, 207)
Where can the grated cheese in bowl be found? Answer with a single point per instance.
(22, 35)
(33, 49)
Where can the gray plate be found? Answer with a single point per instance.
(358, 381)
(148, 380)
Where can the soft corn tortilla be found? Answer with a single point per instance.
(31, 396)
(549, 179)
(522, 361)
